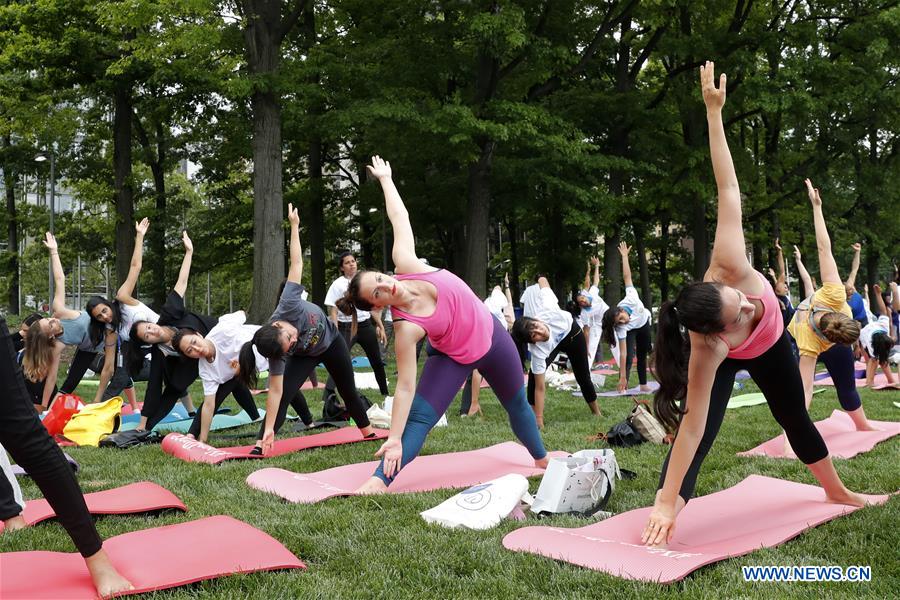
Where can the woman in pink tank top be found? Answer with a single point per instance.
(463, 336)
(733, 322)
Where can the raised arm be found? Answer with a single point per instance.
(125, 293)
(58, 304)
(780, 258)
(596, 262)
(879, 302)
(508, 311)
(828, 270)
(854, 267)
(895, 297)
(185, 272)
(404, 251)
(587, 277)
(295, 271)
(626, 267)
(808, 287)
(729, 250)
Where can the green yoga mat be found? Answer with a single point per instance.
(219, 422)
(754, 399)
(897, 404)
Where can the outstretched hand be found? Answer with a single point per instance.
(660, 525)
(856, 247)
(713, 97)
(778, 244)
(293, 215)
(188, 244)
(392, 453)
(624, 249)
(813, 193)
(595, 261)
(796, 253)
(380, 168)
(50, 242)
(506, 280)
(142, 227)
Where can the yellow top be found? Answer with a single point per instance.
(831, 296)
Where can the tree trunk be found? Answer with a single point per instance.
(124, 192)
(612, 268)
(664, 260)
(478, 219)
(262, 40)
(12, 229)
(512, 233)
(640, 248)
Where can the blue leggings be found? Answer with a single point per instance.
(441, 379)
(841, 366)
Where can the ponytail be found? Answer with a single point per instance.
(608, 326)
(670, 360)
(346, 305)
(248, 374)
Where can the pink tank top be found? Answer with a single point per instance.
(461, 326)
(767, 331)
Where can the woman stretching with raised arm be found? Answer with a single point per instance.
(733, 323)
(436, 303)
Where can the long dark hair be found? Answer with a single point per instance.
(352, 299)
(608, 325)
(176, 339)
(267, 342)
(97, 328)
(697, 308)
(522, 329)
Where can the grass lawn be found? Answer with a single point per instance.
(379, 547)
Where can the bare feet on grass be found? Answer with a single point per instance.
(14, 524)
(373, 486)
(106, 578)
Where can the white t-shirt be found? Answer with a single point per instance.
(229, 334)
(339, 288)
(560, 324)
(592, 316)
(496, 302)
(882, 324)
(632, 305)
(531, 300)
(131, 314)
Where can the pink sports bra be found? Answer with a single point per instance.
(766, 332)
(461, 326)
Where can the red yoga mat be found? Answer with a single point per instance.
(152, 559)
(759, 512)
(880, 382)
(134, 498)
(425, 473)
(185, 448)
(841, 437)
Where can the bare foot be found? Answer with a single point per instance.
(595, 410)
(867, 427)
(646, 388)
(787, 450)
(541, 463)
(14, 523)
(106, 578)
(846, 497)
(373, 486)
(366, 431)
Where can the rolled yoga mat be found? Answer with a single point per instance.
(425, 473)
(191, 450)
(758, 512)
(840, 435)
(152, 559)
(134, 498)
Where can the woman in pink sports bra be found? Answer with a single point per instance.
(463, 336)
(733, 323)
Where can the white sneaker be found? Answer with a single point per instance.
(442, 422)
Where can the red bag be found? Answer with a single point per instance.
(61, 411)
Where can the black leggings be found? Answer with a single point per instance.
(28, 442)
(639, 338)
(575, 348)
(778, 378)
(82, 361)
(241, 395)
(841, 366)
(366, 337)
(338, 364)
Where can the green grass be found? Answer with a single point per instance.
(380, 547)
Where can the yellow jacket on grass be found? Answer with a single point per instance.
(91, 423)
(830, 297)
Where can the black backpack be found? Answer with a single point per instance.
(130, 439)
(623, 435)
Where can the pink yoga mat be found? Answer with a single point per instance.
(437, 471)
(134, 498)
(152, 559)
(881, 382)
(185, 448)
(635, 391)
(605, 372)
(759, 512)
(841, 437)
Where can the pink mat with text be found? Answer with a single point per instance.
(190, 450)
(152, 559)
(425, 473)
(840, 435)
(759, 512)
